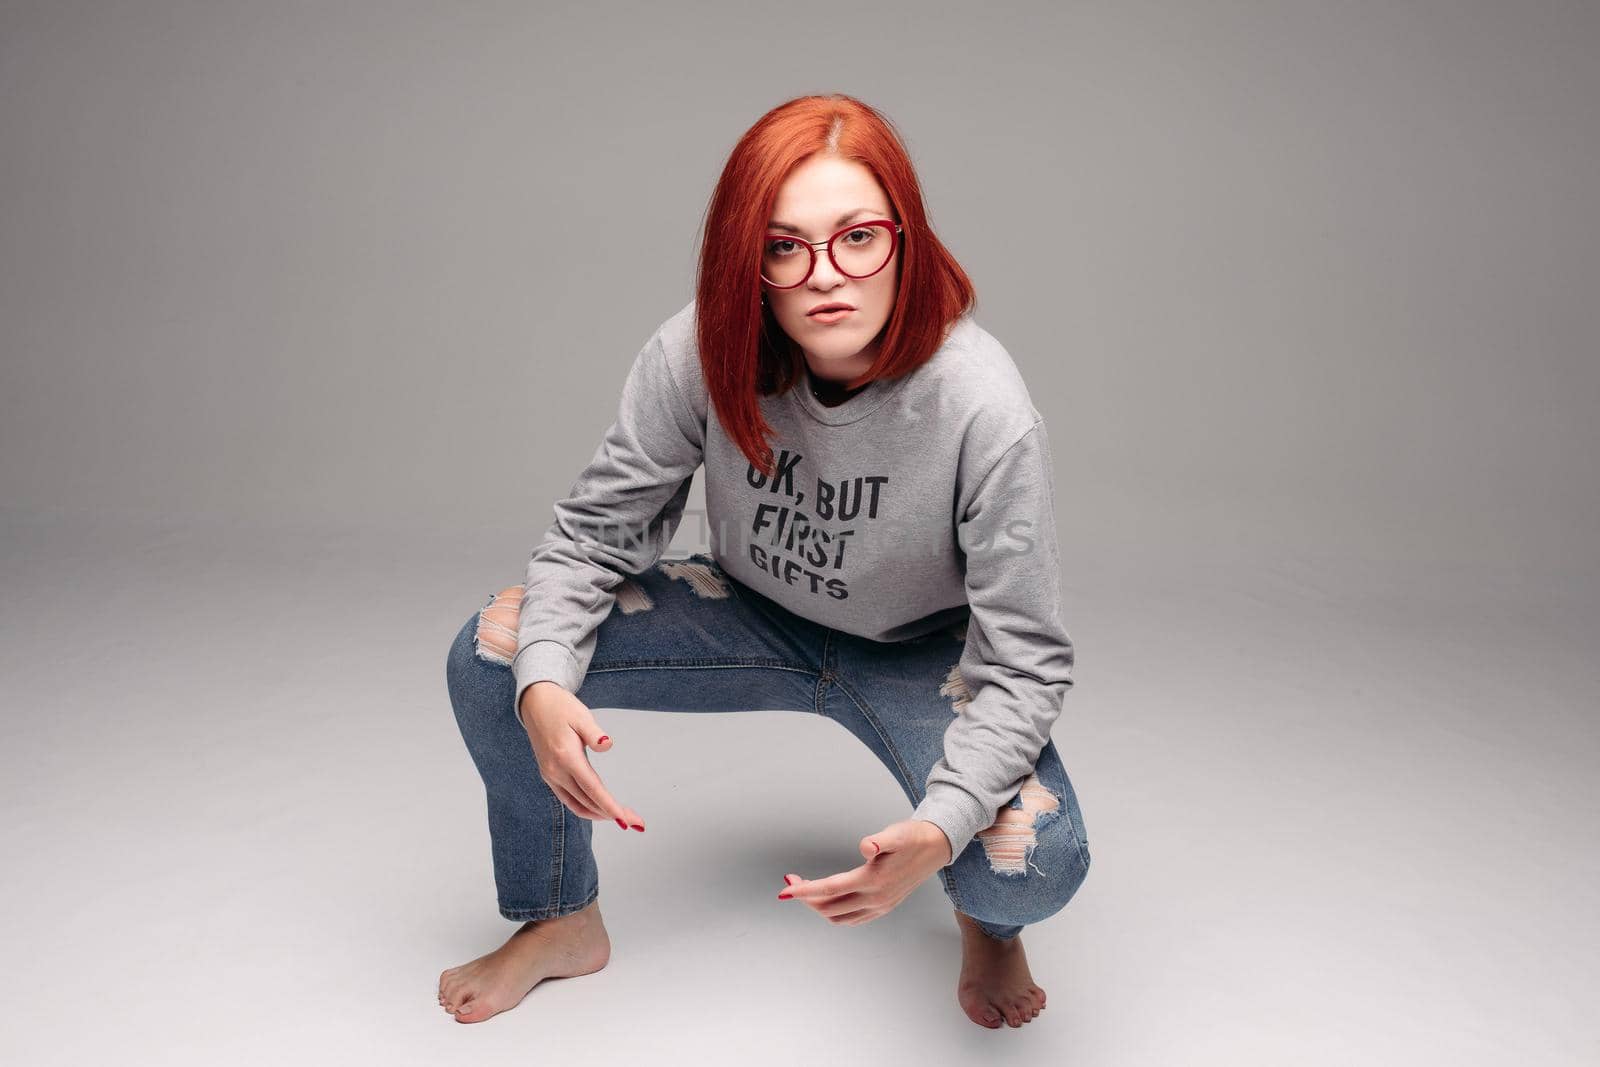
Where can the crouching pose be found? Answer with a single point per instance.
(881, 509)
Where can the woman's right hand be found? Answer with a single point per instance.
(562, 730)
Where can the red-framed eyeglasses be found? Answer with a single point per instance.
(860, 250)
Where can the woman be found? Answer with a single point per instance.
(884, 555)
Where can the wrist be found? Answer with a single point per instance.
(532, 695)
(937, 840)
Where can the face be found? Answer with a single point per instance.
(821, 196)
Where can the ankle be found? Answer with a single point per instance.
(582, 917)
(971, 930)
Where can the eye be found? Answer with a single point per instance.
(867, 233)
(781, 246)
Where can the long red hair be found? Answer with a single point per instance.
(744, 353)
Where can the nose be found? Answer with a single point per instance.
(824, 275)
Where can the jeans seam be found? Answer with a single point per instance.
(819, 696)
(1079, 831)
(951, 888)
(877, 726)
(558, 813)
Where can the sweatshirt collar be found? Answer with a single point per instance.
(871, 397)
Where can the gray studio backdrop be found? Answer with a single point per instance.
(309, 311)
(1317, 277)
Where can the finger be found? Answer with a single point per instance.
(847, 882)
(573, 804)
(584, 781)
(578, 807)
(587, 779)
(630, 820)
(574, 786)
(838, 905)
(854, 918)
(592, 735)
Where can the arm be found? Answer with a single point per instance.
(1017, 664)
(617, 520)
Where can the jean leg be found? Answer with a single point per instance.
(899, 699)
(1004, 890)
(543, 864)
(683, 636)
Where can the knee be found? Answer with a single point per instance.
(1010, 841)
(495, 635)
(487, 639)
(1034, 856)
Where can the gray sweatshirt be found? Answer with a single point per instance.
(916, 503)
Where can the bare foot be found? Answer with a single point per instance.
(995, 983)
(564, 947)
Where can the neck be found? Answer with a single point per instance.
(841, 370)
(828, 391)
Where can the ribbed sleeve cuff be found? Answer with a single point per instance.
(544, 661)
(955, 811)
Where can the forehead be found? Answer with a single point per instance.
(822, 190)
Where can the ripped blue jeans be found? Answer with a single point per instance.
(686, 636)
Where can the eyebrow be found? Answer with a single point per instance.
(846, 217)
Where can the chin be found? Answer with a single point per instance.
(841, 348)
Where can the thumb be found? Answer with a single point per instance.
(593, 736)
(891, 838)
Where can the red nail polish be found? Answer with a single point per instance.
(603, 739)
(639, 828)
(785, 896)
(622, 824)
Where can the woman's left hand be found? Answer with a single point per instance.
(899, 858)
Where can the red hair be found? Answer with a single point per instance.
(744, 353)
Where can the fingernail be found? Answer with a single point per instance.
(785, 896)
(787, 880)
(639, 828)
(622, 824)
(603, 739)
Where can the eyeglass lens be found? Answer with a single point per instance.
(859, 251)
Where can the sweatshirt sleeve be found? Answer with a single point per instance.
(1017, 663)
(617, 520)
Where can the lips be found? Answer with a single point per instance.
(824, 308)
